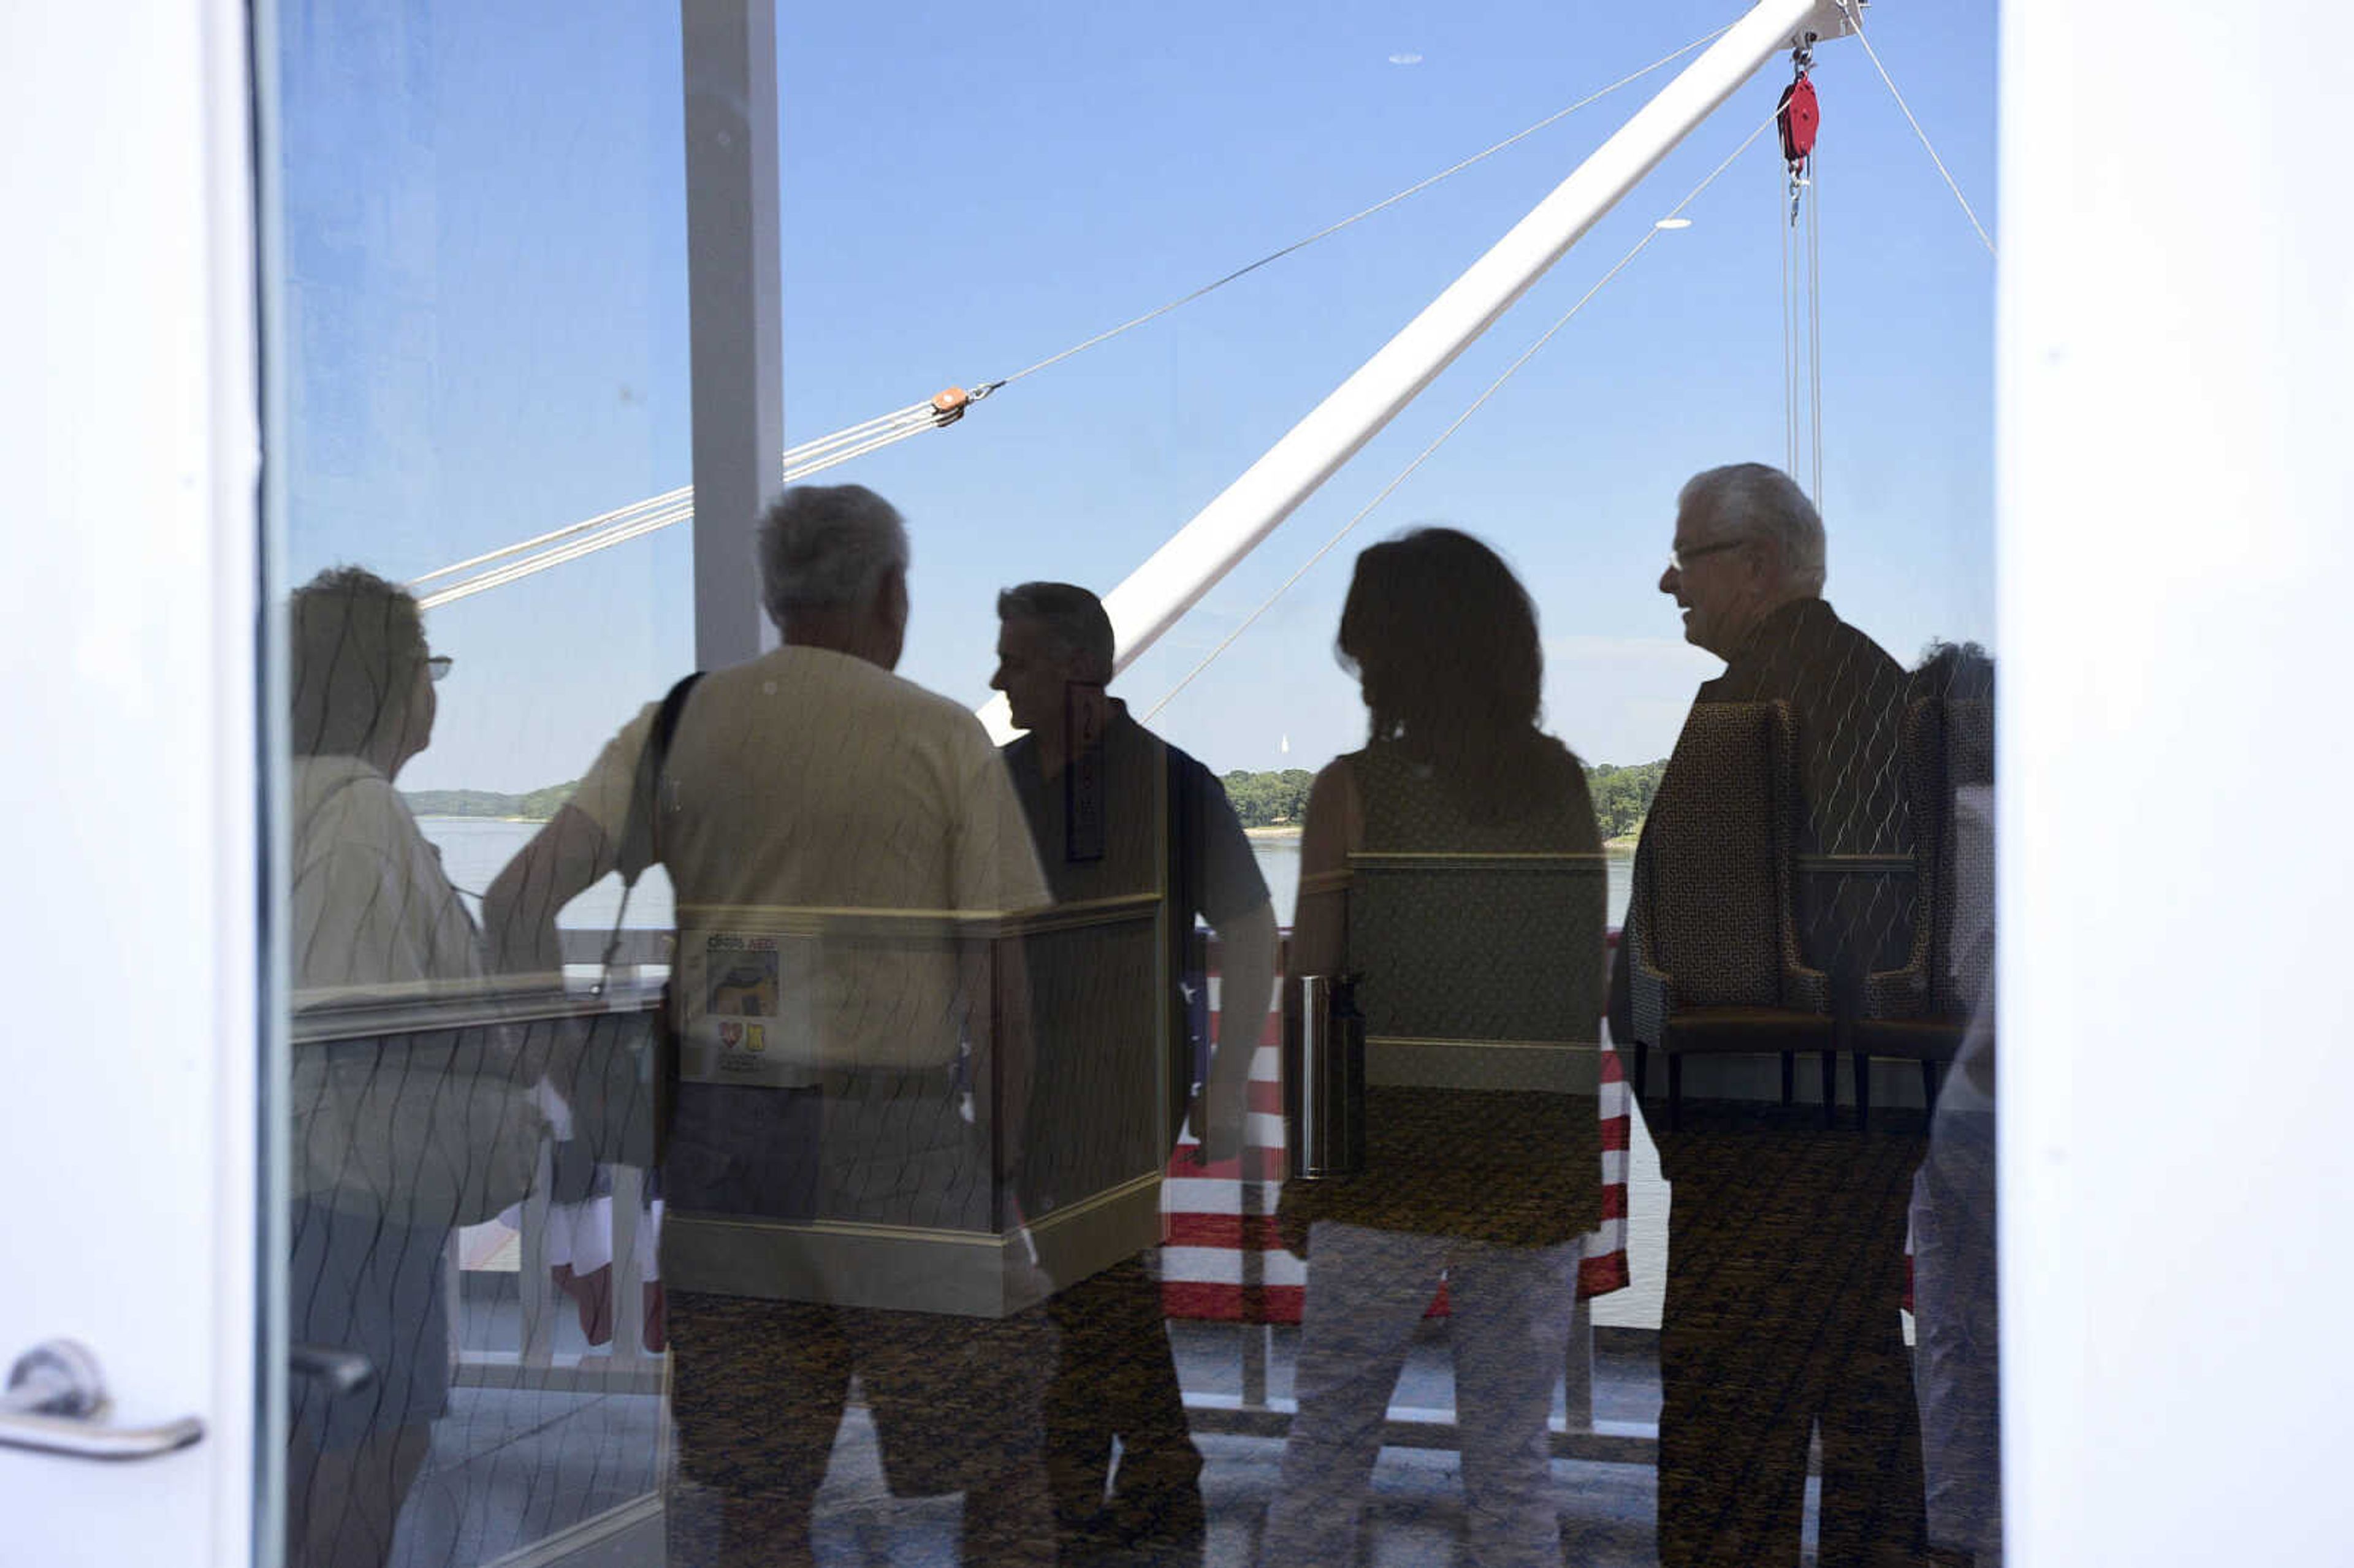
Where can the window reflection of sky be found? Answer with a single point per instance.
(486, 299)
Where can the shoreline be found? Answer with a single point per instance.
(457, 817)
(1278, 834)
(1617, 849)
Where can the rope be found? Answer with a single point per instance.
(799, 454)
(516, 571)
(576, 540)
(1815, 323)
(1802, 287)
(1477, 404)
(668, 498)
(1782, 229)
(1856, 21)
(618, 528)
(860, 439)
(1330, 229)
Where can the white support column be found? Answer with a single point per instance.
(2173, 569)
(735, 285)
(1178, 574)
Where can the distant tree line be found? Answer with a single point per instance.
(1270, 799)
(1621, 796)
(536, 807)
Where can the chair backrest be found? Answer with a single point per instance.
(1967, 960)
(1480, 971)
(1949, 765)
(1717, 917)
(1470, 948)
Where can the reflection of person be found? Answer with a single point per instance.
(369, 906)
(1955, 1319)
(1955, 1306)
(817, 807)
(1786, 1240)
(1477, 1170)
(1121, 813)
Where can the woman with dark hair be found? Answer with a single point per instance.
(1453, 868)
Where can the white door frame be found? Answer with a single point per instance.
(2175, 572)
(129, 435)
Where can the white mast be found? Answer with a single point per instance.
(1179, 572)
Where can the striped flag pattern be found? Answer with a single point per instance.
(1221, 1260)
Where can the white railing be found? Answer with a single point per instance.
(626, 1367)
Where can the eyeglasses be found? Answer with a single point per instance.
(437, 664)
(1680, 559)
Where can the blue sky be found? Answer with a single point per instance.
(485, 289)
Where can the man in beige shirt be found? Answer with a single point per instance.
(841, 844)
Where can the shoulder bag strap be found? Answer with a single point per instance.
(637, 849)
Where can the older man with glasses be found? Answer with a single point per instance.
(1785, 1237)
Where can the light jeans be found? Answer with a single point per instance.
(1955, 1319)
(1510, 1315)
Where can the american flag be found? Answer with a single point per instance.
(1220, 1258)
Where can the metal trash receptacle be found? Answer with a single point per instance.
(1323, 1064)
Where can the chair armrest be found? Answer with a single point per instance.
(1896, 993)
(1809, 988)
(1652, 991)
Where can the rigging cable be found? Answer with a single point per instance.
(1476, 404)
(1789, 344)
(1799, 117)
(1415, 189)
(1855, 20)
(570, 543)
(577, 539)
(670, 498)
(1815, 326)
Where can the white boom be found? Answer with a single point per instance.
(1179, 573)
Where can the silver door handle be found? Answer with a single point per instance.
(56, 1404)
(337, 1371)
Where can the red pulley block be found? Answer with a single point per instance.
(1799, 117)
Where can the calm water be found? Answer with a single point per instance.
(473, 849)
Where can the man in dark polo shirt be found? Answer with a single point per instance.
(1137, 841)
(1784, 1238)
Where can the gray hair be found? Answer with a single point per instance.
(828, 547)
(1755, 500)
(1072, 618)
(353, 645)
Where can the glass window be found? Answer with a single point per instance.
(1493, 965)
